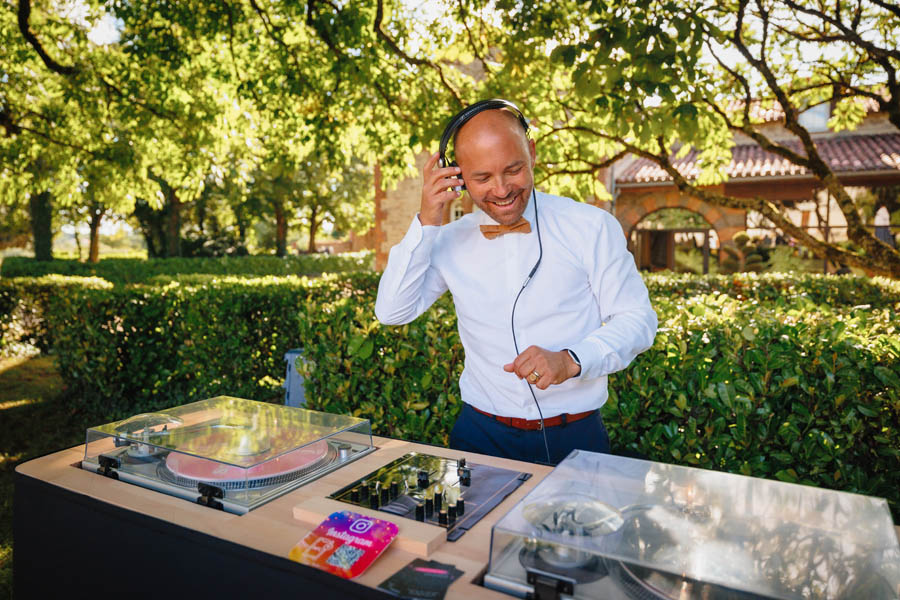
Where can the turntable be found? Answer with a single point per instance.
(226, 453)
(602, 526)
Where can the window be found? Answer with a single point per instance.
(456, 210)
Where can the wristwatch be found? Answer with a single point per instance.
(577, 362)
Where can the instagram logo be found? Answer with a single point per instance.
(361, 525)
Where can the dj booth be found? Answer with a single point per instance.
(594, 527)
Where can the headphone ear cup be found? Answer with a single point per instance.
(462, 187)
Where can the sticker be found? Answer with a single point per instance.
(345, 543)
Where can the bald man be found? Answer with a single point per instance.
(584, 314)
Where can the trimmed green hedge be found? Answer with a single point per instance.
(135, 270)
(801, 392)
(23, 307)
(142, 348)
(791, 378)
(833, 290)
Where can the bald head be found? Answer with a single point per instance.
(490, 123)
(496, 159)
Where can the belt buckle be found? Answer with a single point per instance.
(540, 426)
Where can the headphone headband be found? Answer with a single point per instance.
(463, 116)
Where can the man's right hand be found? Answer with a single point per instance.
(437, 190)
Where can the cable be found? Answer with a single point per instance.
(512, 318)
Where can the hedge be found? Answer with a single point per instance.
(833, 290)
(772, 377)
(135, 270)
(805, 393)
(141, 348)
(23, 306)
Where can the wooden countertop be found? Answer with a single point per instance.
(274, 527)
(277, 526)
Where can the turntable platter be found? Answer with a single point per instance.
(191, 467)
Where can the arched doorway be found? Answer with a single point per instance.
(674, 239)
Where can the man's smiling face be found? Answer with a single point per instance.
(496, 159)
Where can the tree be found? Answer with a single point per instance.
(660, 78)
(62, 120)
(342, 197)
(188, 86)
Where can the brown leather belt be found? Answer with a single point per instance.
(535, 424)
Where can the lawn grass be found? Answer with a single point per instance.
(34, 420)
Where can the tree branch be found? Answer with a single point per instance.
(763, 141)
(879, 257)
(472, 44)
(271, 30)
(379, 16)
(141, 104)
(817, 166)
(8, 124)
(24, 14)
(894, 8)
(57, 142)
(877, 52)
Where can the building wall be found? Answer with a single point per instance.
(395, 209)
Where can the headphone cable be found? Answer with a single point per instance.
(537, 226)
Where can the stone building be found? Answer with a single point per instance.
(866, 157)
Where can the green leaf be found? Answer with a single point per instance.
(365, 351)
(788, 475)
(354, 345)
(866, 410)
(887, 376)
(790, 382)
(748, 333)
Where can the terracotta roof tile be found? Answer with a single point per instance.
(844, 154)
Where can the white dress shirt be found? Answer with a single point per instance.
(586, 296)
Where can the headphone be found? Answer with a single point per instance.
(463, 116)
(455, 124)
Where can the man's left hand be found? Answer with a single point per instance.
(543, 368)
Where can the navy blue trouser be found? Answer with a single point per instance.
(475, 432)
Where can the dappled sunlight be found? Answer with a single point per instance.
(10, 363)
(27, 382)
(8, 460)
(18, 403)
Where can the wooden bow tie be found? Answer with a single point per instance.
(492, 231)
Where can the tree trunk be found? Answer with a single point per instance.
(78, 243)
(41, 210)
(240, 220)
(173, 225)
(152, 224)
(280, 229)
(313, 229)
(172, 213)
(96, 218)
